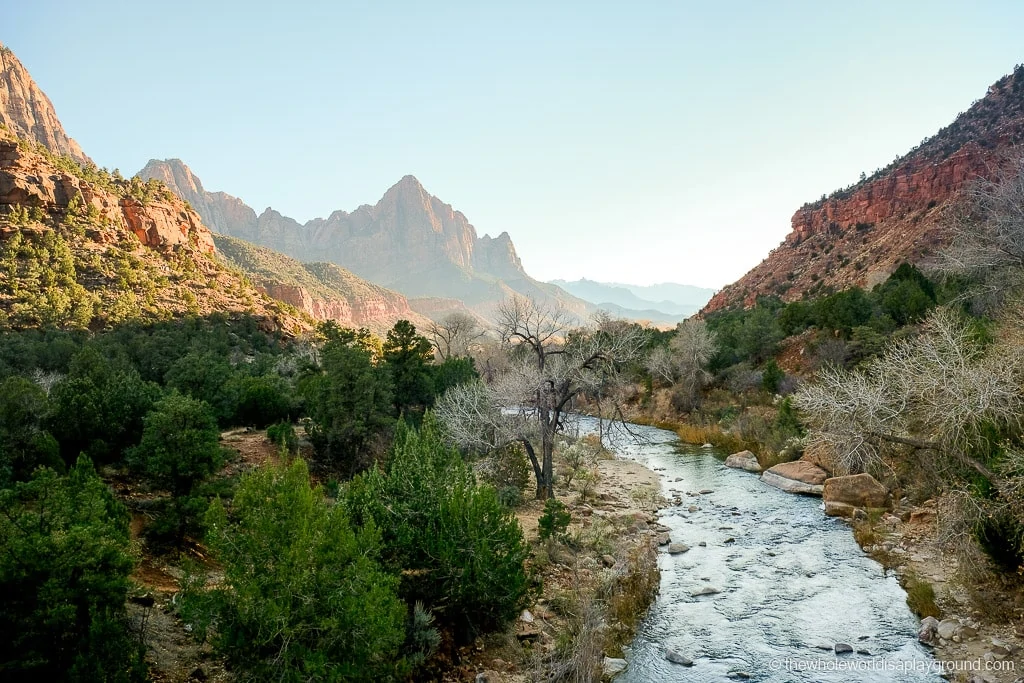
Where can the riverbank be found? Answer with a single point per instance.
(979, 624)
(595, 583)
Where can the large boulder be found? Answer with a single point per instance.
(744, 460)
(798, 476)
(857, 490)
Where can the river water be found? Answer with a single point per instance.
(793, 582)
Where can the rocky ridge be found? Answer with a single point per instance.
(859, 235)
(81, 247)
(323, 291)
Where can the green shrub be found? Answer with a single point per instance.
(64, 565)
(348, 405)
(303, 596)
(554, 521)
(179, 448)
(459, 549)
(24, 442)
(283, 435)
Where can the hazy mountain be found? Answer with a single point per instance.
(677, 303)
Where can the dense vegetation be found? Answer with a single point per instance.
(147, 404)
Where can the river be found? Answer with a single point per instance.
(792, 583)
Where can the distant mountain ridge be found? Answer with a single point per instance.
(860, 234)
(409, 241)
(676, 303)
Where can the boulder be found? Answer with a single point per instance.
(842, 648)
(796, 477)
(948, 628)
(676, 658)
(858, 490)
(612, 667)
(928, 630)
(834, 509)
(744, 460)
(677, 548)
(706, 590)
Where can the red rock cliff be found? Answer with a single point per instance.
(860, 234)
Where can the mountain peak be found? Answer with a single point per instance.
(27, 112)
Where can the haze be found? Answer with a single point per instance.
(643, 142)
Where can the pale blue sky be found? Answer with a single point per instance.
(635, 141)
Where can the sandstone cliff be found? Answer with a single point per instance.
(860, 234)
(409, 241)
(28, 113)
(80, 247)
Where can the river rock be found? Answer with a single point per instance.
(676, 658)
(796, 477)
(834, 509)
(858, 490)
(612, 667)
(948, 628)
(706, 590)
(744, 460)
(677, 548)
(842, 648)
(663, 538)
(928, 630)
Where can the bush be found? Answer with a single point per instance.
(24, 442)
(554, 521)
(98, 407)
(506, 468)
(349, 404)
(283, 435)
(64, 566)
(180, 448)
(460, 550)
(303, 597)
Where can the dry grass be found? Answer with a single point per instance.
(920, 595)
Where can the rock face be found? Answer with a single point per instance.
(26, 111)
(857, 490)
(162, 222)
(409, 241)
(859, 235)
(744, 460)
(796, 477)
(128, 250)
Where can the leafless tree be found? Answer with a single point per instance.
(936, 392)
(987, 236)
(531, 400)
(455, 334)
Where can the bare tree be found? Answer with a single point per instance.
(692, 348)
(937, 392)
(455, 334)
(987, 237)
(531, 400)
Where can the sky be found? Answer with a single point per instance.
(636, 142)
